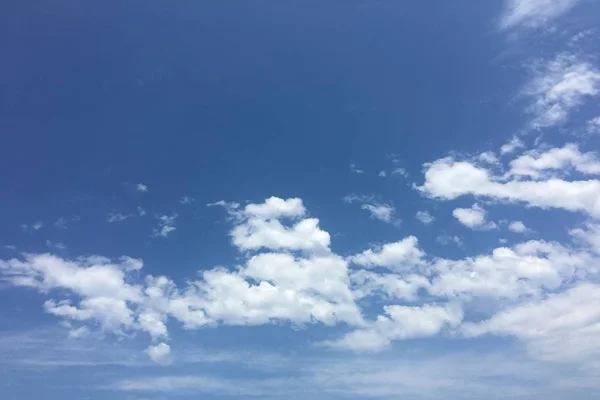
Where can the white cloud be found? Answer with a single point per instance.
(160, 353)
(79, 333)
(166, 225)
(518, 227)
(528, 269)
(589, 236)
(63, 222)
(140, 187)
(593, 125)
(560, 327)
(36, 226)
(488, 157)
(533, 13)
(401, 322)
(55, 245)
(558, 87)
(118, 217)
(380, 211)
(395, 256)
(536, 165)
(382, 174)
(449, 179)
(141, 212)
(425, 217)
(187, 200)
(400, 171)
(474, 217)
(512, 145)
(355, 170)
(446, 239)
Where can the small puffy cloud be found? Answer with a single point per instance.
(55, 245)
(400, 172)
(166, 225)
(382, 174)
(186, 200)
(533, 13)
(380, 211)
(140, 187)
(141, 212)
(355, 170)
(160, 353)
(117, 217)
(558, 87)
(474, 217)
(517, 227)
(425, 217)
(446, 239)
(36, 226)
(512, 145)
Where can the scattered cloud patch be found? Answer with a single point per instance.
(36, 226)
(593, 125)
(446, 239)
(400, 172)
(166, 225)
(117, 217)
(382, 174)
(533, 13)
(64, 222)
(55, 245)
(425, 217)
(558, 87)
(186, 200)
(355, 170)
(140, 187)
(512, 145)
(380, 211)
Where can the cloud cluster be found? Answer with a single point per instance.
(290, 274)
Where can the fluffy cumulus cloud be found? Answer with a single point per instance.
(474, 217)
(517, 227)
(533, 13)
(159, 353)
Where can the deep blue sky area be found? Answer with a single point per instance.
(429, 167)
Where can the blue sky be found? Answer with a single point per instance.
(327, 200)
